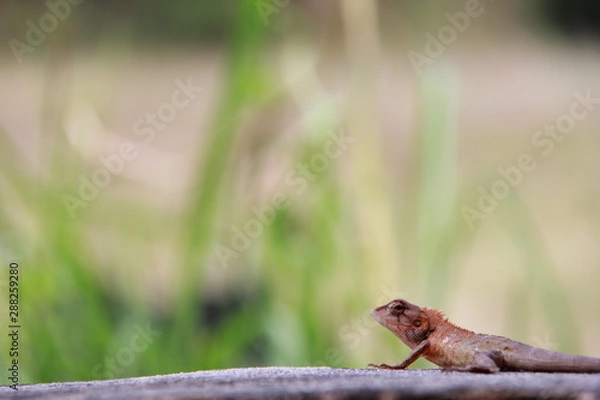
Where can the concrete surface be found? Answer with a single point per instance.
(320, 383)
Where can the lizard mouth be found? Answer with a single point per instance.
(381, 315)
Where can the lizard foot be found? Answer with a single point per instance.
(383, 366)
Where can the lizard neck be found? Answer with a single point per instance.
(430, 321)
(439, 323)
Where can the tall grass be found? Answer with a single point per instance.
(317, 268)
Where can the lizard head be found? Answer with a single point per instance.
(409, 322)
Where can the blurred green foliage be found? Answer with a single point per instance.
(148, 22)
(306, 276)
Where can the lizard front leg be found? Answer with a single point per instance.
(411, 358)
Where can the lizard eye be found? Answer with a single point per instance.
(398, 307)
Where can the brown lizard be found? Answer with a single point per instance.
(430, 335)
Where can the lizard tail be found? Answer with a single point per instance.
(541, 360)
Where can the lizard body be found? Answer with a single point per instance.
(430, 335)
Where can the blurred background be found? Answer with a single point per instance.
(199, 185)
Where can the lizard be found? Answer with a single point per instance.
(429, 334)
